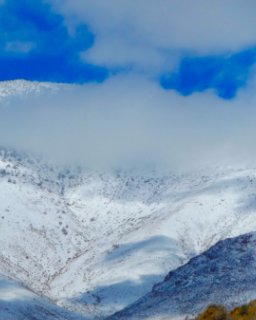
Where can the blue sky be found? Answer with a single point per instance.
(90, 41)
(36, 45)
(225, 74)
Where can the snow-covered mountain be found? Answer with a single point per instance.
(225, 274)
(95, 242)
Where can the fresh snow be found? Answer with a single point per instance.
(95, 243)
(20, 303)
(24, 88)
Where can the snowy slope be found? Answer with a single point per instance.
(95, 242)
(225, 274)
(38, 235)
(142, 227)
(19, 303)
(98, 242)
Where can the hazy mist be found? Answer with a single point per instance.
(130, 120)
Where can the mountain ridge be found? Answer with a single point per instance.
(224, 274)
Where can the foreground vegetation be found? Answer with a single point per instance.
(215, 312)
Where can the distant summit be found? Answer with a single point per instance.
(24, 87)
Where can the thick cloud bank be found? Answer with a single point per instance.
(128, 120)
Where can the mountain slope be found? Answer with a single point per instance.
(19, 303)
(225, 274)
(76, 235)
(147, 226)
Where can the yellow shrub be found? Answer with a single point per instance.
(214, 312)
(245, 312)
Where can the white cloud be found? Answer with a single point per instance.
(117, 52)
(130, 119)
(149, 31)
